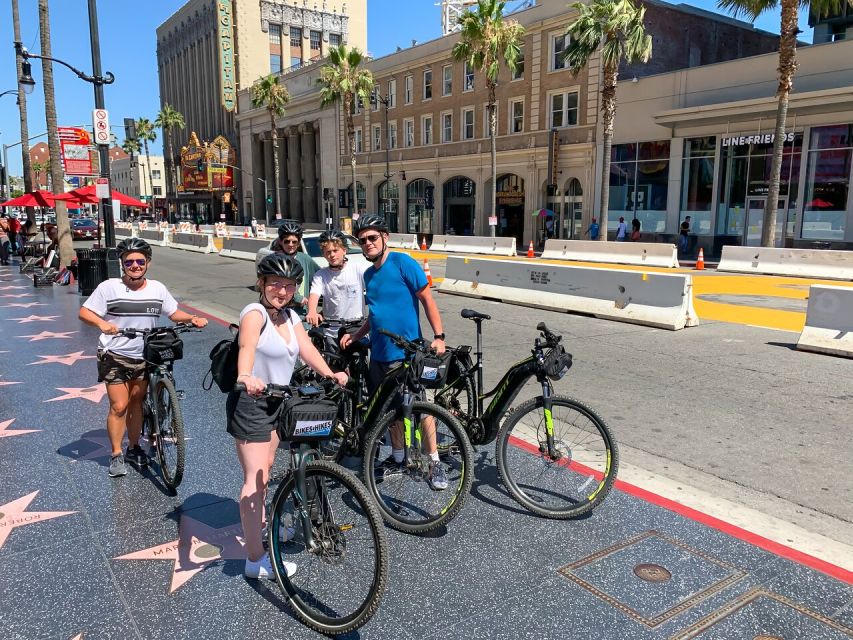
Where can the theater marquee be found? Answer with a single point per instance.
(225, 33)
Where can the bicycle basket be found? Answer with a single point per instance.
(557, 363)
(163, 347)
(432, 368)
(307, 418)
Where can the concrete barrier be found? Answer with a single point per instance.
(474, 244)
(198, 242)
(403, 241)
(656, 299)
(155, 236)
(829, 321)
(802, 263)
(650, 254)
(124, 231)
(243, 248)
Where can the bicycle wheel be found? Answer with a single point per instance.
(569, 484)
(171, 445)
(339, 581)
(457, 396)
(406, 495)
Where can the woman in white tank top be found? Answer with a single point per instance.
(271, 340)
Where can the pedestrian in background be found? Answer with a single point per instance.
(635, 230)
(5, 245)
(683, 238)
(593, 230)
(14, 233)
(621, 230)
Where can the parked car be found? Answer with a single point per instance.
(84, 229)
(311, 246)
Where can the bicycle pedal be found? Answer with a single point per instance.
(180, 393)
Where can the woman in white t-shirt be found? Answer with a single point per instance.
(132, 301)
(271, 340)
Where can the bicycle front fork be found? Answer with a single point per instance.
(412, 433)
(547, 447)
(305, 503)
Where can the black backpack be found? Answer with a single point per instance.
(223, 362)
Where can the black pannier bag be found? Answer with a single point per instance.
(557, 362)
(307, 417)
(162, 347)
(432, 368)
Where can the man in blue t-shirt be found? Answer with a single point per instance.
(394, 287)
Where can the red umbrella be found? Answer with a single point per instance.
(86, 195)
(31, 199)
(817, 203)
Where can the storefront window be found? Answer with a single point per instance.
(389, 203)
(639, 179)
(419, 217)
(361, 198)
(828, 182)
(697, 183)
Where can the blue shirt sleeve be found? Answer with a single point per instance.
(412, 272)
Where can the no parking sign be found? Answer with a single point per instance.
(101, 121)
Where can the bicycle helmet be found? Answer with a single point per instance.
(371, 221)
(334, 234)
(290, 229)
(280, 264)
(134, 245)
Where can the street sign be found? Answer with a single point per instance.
(493, 221)
(102, 188)
(101, 120)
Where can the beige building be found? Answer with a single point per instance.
(130, 176)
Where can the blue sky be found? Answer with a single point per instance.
(128, 49)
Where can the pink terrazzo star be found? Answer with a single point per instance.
(26, 305)
(12, 286)
(6, 384)
(197, 546)
(15, 295)
(5, 432)
(34, 319)
(92, 394)
(14, 514)
(46, 335)
(67, 359)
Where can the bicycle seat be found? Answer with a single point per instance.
(470, 314)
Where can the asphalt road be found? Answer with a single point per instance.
(731, 409)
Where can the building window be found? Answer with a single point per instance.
(296, 37)
(639, 179)
(275, 34)
(315, 40)
(377, 137)
(155, 174)
(158, 191)
(375, 98)
(558, 52)
(275, 63)
(428, 84)
(697, 182)
(419, 217)
(468, 84)
(447, 80)
(409, 132)
(516, 116)
(392, 135)
(467, 124)
(564, 109)
(446, 127)
(828, 182)
(359, 142)
(392, 94)
(426, 130)
(334, 39)
(518, 74)
(295, 62)
(409, 90)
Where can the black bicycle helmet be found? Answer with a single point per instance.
(290, 229)
(134, 245)
(334, 234)
(371, 221)
(280, 264)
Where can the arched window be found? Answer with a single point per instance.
(420, 206)
(389, 203)
(573, 211)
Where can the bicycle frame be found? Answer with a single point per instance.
(300, 457)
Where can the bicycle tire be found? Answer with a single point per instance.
(298, 603)
(609, 459)
(171, 478)
(464, 468)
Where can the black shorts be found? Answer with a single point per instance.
(117, 369)
(251, 419)
(376, 373)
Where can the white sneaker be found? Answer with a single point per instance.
(285, 534)
(262, 568)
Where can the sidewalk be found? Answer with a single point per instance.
(81, 553)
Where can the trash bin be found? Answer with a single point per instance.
(94, 266)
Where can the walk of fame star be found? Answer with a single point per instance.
(14, 514)
(34, 319)
(9, 287)
(5, 432)
(45, 335)
(15, 295)
(197, 546)
(5, 384)
(92, 394)
(26, 305)
(68, 359)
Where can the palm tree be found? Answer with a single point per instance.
(787, 67)
(344, 81)
(22, 112)
(63, 227)
(169, 118)
(488, 41)
(616, 28)
(131, 146)
(38, 168)
(268, 92)
(146, 132)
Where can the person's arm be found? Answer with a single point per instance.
(348, 338)
(250, 332)
(313, 317)
(93, 319)
(309, 354)
(433, 317)
(182, 316)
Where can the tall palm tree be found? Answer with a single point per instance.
(787, 67)
(146, 132)
(63, 227)
(131, 146)
(38, 168)
(22, 111)
(168, 119)
(616, 28)
(489, 41)
(268, 92)
(344, 81)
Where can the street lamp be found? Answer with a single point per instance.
(9, 92)
(28, 84)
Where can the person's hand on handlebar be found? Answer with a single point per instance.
(438, 346)
(346, 340)
(108, 328)
(198, 321)
(340, 377)
(314, 319)
(254, 386)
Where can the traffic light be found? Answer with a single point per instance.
(129, 129)
(429, 197)
(200, 164)
(269, 198)
(343, 198)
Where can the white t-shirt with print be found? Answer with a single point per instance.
(129, 309)
(342, 290)
(275, 358)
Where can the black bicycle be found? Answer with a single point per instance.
(162, 418)
(323, 519)
(556, 456)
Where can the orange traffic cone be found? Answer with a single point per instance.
(530, 250)
(700, 261)
(245, 233)
(423, 244)
(427, 272)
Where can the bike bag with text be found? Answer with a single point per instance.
(310, 417)
(557, 363)
(162, 347)
(432, 368)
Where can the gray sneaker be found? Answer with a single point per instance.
(117, 466)
(137, 457)
(437, 476)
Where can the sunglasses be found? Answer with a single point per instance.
(290, 242)
(139, 262)
(277, 285)
(371, 239)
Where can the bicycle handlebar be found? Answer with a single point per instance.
(410, 346)
(550, 337)
(181, 327)
(326, 385)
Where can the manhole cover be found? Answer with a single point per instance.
(652, 573)
(208, 551)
